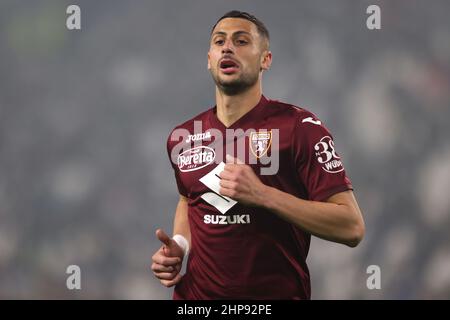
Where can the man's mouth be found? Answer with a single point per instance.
(228, 66)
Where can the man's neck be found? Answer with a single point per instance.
(231, 108)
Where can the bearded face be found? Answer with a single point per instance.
(235, 57)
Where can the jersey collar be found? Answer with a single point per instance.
(247, 120)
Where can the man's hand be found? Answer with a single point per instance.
(167, 260)
(239, 182)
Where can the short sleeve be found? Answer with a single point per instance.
(318, 164)
(181, 188)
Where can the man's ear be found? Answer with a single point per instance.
(209, 62)
(266, 60)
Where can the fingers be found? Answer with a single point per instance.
(156, 267)
(165, 268)
(170, 283)
(226, 175)
(160, 268)
(227, 184)
(166, 275)
(160, 258)
(163, 237)
(228, 193)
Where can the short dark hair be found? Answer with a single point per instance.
(262, 30)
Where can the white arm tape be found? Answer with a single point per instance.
(182, 242)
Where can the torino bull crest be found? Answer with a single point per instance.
(260, 142)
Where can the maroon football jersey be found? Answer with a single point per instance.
(243, 252)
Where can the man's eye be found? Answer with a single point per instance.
(242, 42)
(218, 42)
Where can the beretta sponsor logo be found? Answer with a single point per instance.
(195, 158)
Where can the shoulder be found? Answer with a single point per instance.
(306, 130)
(187, 127)
(189, 124)
(300, 117)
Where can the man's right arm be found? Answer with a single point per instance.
(167, 261)
(181, 221)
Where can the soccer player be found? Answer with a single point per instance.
(246, 233)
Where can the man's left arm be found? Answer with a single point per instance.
(336, 219)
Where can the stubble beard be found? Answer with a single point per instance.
(235, 86)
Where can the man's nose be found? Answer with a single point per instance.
(228, 47)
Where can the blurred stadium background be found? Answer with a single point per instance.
(84, 117)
